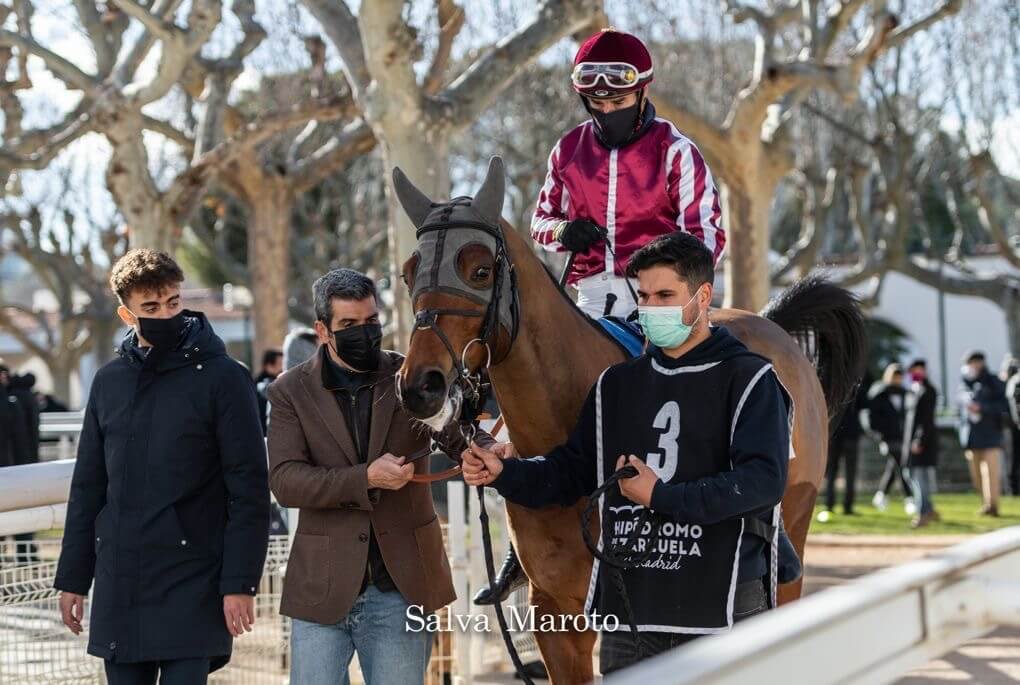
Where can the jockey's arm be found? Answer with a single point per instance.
(695, 198)
(549, 214)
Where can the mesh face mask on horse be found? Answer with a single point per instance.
(446, 232)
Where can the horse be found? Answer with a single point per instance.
(504, 310)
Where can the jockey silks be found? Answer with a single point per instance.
(714, 425)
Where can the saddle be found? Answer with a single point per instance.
(627, 334)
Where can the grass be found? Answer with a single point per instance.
(958, 510)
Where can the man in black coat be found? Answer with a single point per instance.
(921, 440)
(983, 406)
(169, 505)
(843, 447)
(14, 441)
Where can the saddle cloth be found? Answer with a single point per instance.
(627, 334)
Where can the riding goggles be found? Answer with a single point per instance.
(613, 74)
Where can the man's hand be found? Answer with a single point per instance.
(239, 613)
(580, 234)
(637, 489)
(389, 472)
(915, 447)
(481, 466)
(72, 611)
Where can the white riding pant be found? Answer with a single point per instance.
(593, 291)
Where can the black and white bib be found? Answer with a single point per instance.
(680, 422)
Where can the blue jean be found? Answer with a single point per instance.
(924, 485)
(375, 628)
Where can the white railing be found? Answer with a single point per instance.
(33, 497)
(869, 631)
(58, 433)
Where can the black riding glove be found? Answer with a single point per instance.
(580, 234)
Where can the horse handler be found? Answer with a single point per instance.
(368, 556)
(706, 424)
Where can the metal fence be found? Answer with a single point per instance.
(37, 649)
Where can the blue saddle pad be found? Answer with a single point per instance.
(627, 333)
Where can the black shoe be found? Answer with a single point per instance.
(534, 670)
(510, 577)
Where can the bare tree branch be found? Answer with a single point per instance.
(476, 88)
(341, 26)
(451, 19)
(73, 77)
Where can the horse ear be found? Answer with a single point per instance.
(489, 199)
(415, 203)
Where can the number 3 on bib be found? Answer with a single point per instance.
(668, 421)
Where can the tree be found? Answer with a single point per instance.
(414, 119)
(922, 199)
(74, 265)
(796, 44)
(219, 143)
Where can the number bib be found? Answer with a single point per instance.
(678, 421)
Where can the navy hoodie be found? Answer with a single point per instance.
(759, 452)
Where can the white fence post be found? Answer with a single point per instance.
(456, 539)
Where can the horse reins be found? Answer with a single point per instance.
(626, 556)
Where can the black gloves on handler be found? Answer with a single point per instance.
(580, 234)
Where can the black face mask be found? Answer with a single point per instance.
(358, 346)
(616, 128)
(162, 334)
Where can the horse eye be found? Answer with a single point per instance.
(482, 272)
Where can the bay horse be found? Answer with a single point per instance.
(544, 355)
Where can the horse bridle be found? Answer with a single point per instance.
(473, 388)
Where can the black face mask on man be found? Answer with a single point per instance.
(616, 127)
(162, 334)
(359, 346)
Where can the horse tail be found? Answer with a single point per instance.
(827, 323)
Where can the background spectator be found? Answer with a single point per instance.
(298, 347)
(921, 440)
(272, 366)
(843, 447)
(1013, 400)
(982, 401)
(885, 416)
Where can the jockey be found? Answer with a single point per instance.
(621, 179)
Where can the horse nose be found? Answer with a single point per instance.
(425, 394)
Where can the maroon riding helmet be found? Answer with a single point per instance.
(610, 64)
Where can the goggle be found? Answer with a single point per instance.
(613, 74)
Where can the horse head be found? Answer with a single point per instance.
(461, 283)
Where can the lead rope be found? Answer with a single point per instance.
(625, 556)
(490, 569)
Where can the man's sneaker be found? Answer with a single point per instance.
(879, 501)
(909, 507)
(924, 519)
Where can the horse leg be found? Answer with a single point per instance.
(567, 655)
(553, 554)
(798, 507)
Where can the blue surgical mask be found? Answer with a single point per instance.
(664, 326)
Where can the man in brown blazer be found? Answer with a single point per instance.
(368, 547)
